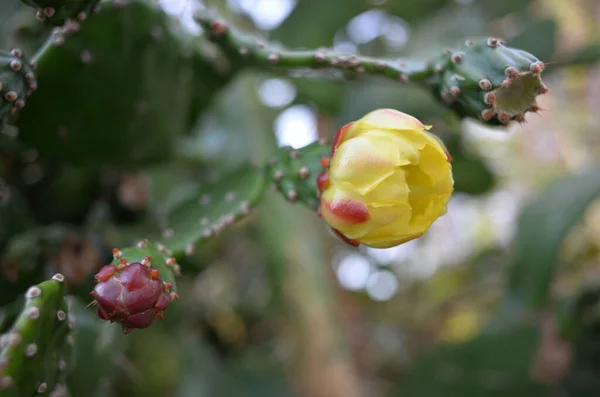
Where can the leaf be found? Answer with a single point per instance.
(213, 207)
(543, 224)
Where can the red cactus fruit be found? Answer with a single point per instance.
(131, 294)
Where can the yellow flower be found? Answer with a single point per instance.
(388, 180)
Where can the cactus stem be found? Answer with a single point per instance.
(85, 57)
(62, 365)
(487, 114)
(245, 207)
(6, 382)
(457, 58)
(204, 221)
(31, 350)
(33, 313)
(504, 117)
(303, 172)
(33, 293)
(485, 84)
(205, 200)
(248, 51)
(49, 12)
(292, 195)
(229, 197)
(492, 42)
(511, 73)
(58, 277)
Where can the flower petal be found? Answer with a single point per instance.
(364, 162)
(344, 211)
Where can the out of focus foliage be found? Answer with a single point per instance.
(498, 299)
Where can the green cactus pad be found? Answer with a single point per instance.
(294, 172)
(487, 80)
(213, 207)
(36, 354)
(62, 9)
(17, 82)
(127, 74)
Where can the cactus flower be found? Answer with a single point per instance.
(387, 181)
(131, 294)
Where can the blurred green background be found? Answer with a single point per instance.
(497, 299)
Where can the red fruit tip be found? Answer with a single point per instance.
(154, 274)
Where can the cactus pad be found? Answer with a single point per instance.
(213, 207)
(492, 82)
(36, 353)
(137, 287)
(295, 172)
(61, 9)
(113, 88)
(17, 81)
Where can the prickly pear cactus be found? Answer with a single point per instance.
(137, 101)
(61, 9)
(103, 154)
(294, 173)
(36, 353)
(17, 82)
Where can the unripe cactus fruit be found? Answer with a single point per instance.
(61, 9)
(490, 81)
(17, 81)
(133, 293)
(132, 296)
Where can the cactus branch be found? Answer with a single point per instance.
(253, 51)
(36, 353)
(482, 78)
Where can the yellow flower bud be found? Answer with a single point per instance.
(388, 180)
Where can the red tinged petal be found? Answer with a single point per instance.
(353, 243)
(323, 181)
(105, 273)
(163, 302)
(108, 294)
(449, 156)
(139, 320)
(339, 137)
(133, 277)
(103, 314)
(351, 212)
